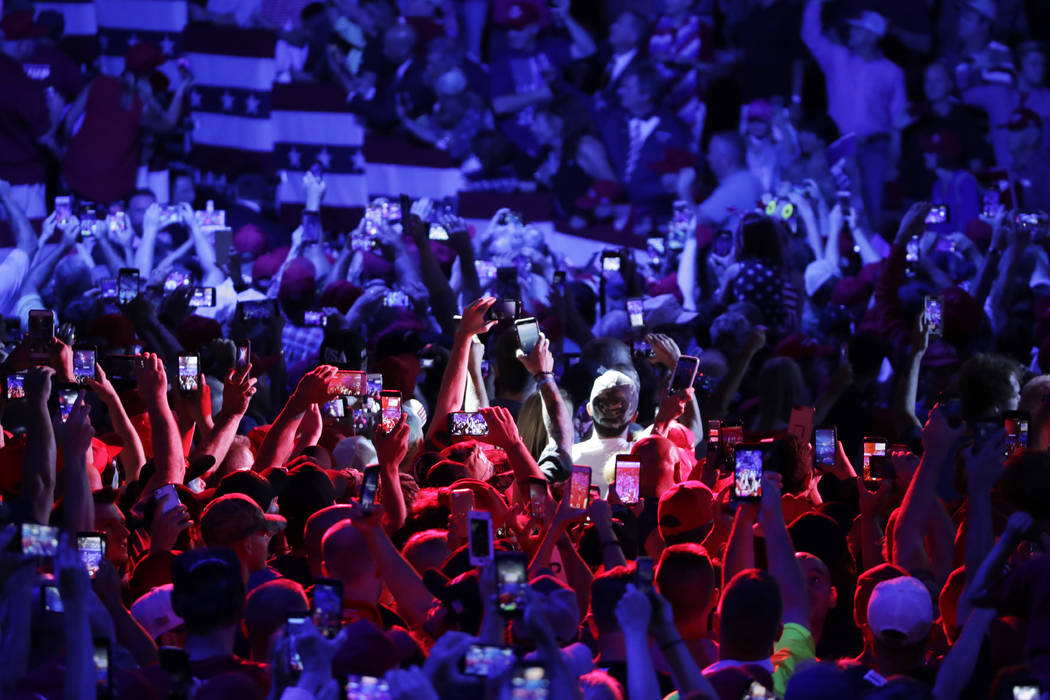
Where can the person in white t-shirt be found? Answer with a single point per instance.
(613, 406)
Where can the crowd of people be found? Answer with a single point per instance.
(793, 443)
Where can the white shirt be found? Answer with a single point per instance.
(597, 452)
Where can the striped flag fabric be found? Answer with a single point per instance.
(80, 37)
(312, 124)
(396, 166)
(230, 103)
(124, 23)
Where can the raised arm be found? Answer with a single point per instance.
(633, 613)
(442, 298)
(983, 469)
(25, 237)
(277, 446)
(780, 554)
(503, 432)
(132, 456)
(147, 245)
(167, 447)
(238, 390)
(454, 381)
(556, 418)
(391, 449)
(74, 435)
(939, 441)
(38, 465)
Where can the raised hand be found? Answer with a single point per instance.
(316, 385)
(540, 359)
(392, 447)
(474, 321)
(237, 390)
(150, 375)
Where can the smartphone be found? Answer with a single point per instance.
(211, 219)
(824, 448)
(334, 409)
(537, 496)
(800, 424)
(503, 310)
(366, 688)
(634, 313)
(16, 385)
(67, 398)
(223, 243)
(350, 383)
(747, 471)
(643, 573)
(684, 373)
(390, 409)
(1015, 423)
(88, 221)
(874, 459)
(311, 223)
(369, 486)
(641, 348)
(466, 424)
(397, 299)
(100, 655)
(118, 222)
(628, 471)
(189, 371)
(176, 279)
(480, 537)
(937, 214)
(166, 497)
(1027, 692)
(489, 660)
(579, 487)
(326, 606)
(261, 310)
(51, 598)
(41, 324)
(530, 681)
(128, 284)
(511, 581)
(295, 625)
(611, 260)
(63, 209)
(84, 363)
(107, 287)
(91, 547)
(39, 540)
(316, 319)
(933, 308)
(757, 691)
(528, 334)
(732, 435)
(202, 296)
(438, 232)
(244, 354)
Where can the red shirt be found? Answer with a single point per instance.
(103, 156)
(23, 119)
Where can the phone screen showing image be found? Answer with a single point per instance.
(628, 471)
(189, 369)
(83, 364)
(747, 474)
(825, 448)
(579, 487)
(327, 608)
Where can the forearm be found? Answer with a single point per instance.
(113, 261)
(523, 464)
(577, 573)
(44, 267)
(784, 567)
(25, 236)
(38, 465)
(688, 677)
(542, 557)
(280, 439)
(556, 418)
(980, 540)
(16, 631)
(906, 392)
(79, 667)
(740, 550)
(405, 584)
(642, 681)
(221, 436)
(145, 252)
(468, 272)
(582, 43)
(442, 298)
(871, 541)
(78, 505)
(908, 550)
(453, 382)
(958, 666)
(687, 274)
(167, 444)
(940, 539)
(505, 104)
(867, 251)
(394, 510)
(131, 635)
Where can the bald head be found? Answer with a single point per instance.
(317, 526)
(660, 465)
(346, 556)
